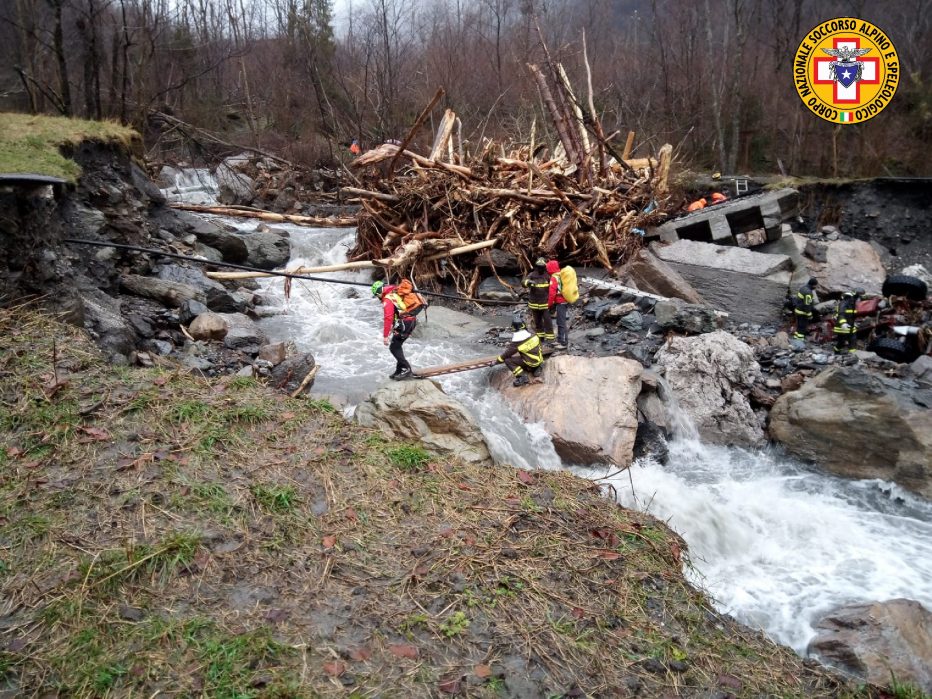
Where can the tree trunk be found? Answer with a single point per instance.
(58, 38)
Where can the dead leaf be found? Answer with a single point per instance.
(277, 615)
(13, 452)
(335, 669)
(350, 514)
(675, 550)
(446, 533)
(404, 650)
(526, 477)
(96, 434)
(607, 554)
(464, 486)
(360, 654)
(450, 686)
(578, 612)
(160, 381)
(286, 416)
(329, 541)
(482, 671)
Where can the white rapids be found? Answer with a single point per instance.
(775, 543)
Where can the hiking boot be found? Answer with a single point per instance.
(522, 380)
(559, 346)
(405, 373)
(395, 375)
(536, 372)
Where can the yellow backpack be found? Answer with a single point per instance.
(568, 284)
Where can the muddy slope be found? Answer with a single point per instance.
(161, 533)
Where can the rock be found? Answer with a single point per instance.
(616, 312)
(242, 333)
(593, 333)
(170, 293)
(876, 640)
(707, 374)
(750, 286)
(780, 340)
(208, 326)
(140, 325)
(421, 411)
(141, 181)
(503, 262)
(650, 442)
(793, 246)
(167, 176)
(273, 353)
(587, 405)
(208, 253)
(289, 374)
(230, 245)
(105, 322)
(859, 424)
(633, 321)
(817, 252)
(791, 382)
(235, 187)
(674, 314)
(267, 250)
(849, 264)
(214, 295)
(919, 272)
(649, 273)
(493, 290)
(773, 383)
(829, 230)
(189, 310)
(921, 370)
(161, 347)
(653, 409)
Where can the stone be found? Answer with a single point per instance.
(649, 273)
(104, 321)
(791, 382)
(140, 325)
(674, 314)
(849, 265)
(214, 295)
(633, 321)
(653, 409)
(859, 424)
(273, 353)
(143, 184)
(780, 340)
(266, 250)
(919, 272)
(235, 187)
(493, 290)
(170, 293)
(875, 641)
(242, 333)
(208, 326)
(921, 370)
(616, 312)
(503, 262)
(708, 375)
(751, 286)
(290, 373)
(230, 245)
(817, 252)
(422, 411)
(587, 406)
(191, 309)
(207, 253)
(773, 383)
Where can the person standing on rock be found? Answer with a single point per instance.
(845, 328)
(558, 304)
(399, 310)
(806, 300)
(538, 302)
(523, 353)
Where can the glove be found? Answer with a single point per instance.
(385, 341)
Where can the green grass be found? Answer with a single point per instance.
(455, 624)
(32, 144)
(408, 457)
(276, 499)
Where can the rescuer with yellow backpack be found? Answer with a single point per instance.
(400, 306)
(563, 290)
(523, 354)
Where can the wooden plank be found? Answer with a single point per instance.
(468, 365)
(629, 144)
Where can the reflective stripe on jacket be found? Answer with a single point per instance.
(538, 286)
(529, 348)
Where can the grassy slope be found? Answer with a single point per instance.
(31, 144)
(161, 533)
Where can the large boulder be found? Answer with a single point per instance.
(649, 273)
(587, 405)
(266, 250)
(170, 293)
(291, 373)
(208, 326)
(860, 425)
(235, 187)
(676, 314)
(846, 265)
(242, 333)
(878, 641)
(750, 286)
(421, 411)
(106, 324)
(214, 295)
(708, 376)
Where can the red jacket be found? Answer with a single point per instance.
(553, 267)
(388, 310)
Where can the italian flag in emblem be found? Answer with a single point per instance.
(844, 117)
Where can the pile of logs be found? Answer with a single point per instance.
(580, 202)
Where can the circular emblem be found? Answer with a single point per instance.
(846, 70)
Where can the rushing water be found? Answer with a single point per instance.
(775, 543)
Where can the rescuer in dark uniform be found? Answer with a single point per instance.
(845, 328)
(806, 299)
(523, 353)
(538, 302)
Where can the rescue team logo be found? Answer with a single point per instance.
(846, 70)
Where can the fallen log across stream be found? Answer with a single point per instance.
(242, 212)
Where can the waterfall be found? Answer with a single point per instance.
(774, 542)
(193, 186)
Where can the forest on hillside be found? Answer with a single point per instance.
(712, 77)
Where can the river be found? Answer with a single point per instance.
(775, 543)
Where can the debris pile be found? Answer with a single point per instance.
(581, 201)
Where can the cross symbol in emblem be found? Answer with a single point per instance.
(840, 94)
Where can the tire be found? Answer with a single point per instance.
(912, 288)
(893, 349)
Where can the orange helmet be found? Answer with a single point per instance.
(717, 197)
